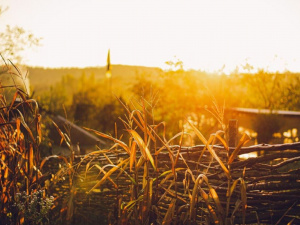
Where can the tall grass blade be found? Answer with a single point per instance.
(232, 188)
(178, 152)
(164, 131)
(26, 126)
(18, 123)
(110, 172)
(212, 152)
(174, 194)
(132, 203)
(244, 199)
(121, 143)
(145, 176)
(216, 199)
(101, 151)
(198, 133)
(209, 207)
(166, 143)
(39, 128)
(244, 139)
(143, 121)
(194, 197)
(30, 161)
(63, 138)
(143, 147)
(108, 159)
(291, 222)
(222, 140)
(167, 172)
(132, 155)
(170, 213)
(140, 162)
(104, 172)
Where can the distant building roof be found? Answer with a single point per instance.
(265, 111)
(78, 134)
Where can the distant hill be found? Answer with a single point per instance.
(42, 78)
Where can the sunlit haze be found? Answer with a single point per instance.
(205, 35)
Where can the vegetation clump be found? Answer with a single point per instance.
(20, 135)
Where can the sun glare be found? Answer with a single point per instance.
(207, 35)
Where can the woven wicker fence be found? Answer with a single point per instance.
(272, 181)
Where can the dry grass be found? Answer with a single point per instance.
(20, 164)
(154, 195)
(20, 135)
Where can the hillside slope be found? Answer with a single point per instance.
(42, 78)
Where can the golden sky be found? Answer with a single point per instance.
(203, 34)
